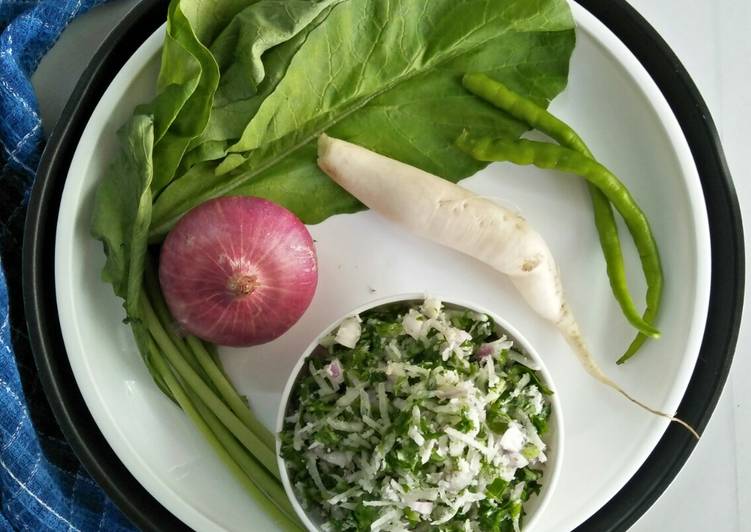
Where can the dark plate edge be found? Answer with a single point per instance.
(728, 265)
(40, 305)
(632, 500)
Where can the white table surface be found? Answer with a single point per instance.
(713, 490)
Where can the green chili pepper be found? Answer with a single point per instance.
(553, 156)
(539, 118)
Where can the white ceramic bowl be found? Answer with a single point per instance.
(554, 439)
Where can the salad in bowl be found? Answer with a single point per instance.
(414, 414)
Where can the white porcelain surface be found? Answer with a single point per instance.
(712, 42)
(617, 109)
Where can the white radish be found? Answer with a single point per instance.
(457, 218)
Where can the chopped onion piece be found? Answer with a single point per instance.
(349, 332)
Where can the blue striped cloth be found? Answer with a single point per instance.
(42, 484)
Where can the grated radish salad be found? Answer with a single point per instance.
(416, 417)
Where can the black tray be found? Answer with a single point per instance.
(725, 303)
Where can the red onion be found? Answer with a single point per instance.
(238, 271)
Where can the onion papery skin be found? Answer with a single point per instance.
(238, 271)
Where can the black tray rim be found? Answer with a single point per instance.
(642, 490)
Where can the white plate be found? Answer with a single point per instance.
(616, 107)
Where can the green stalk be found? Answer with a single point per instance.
(211, 348)
(262, 479)
(143, 339)
(204, 363)
(214, 403)
(166, 319)
(216, 442)
(227, 391)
